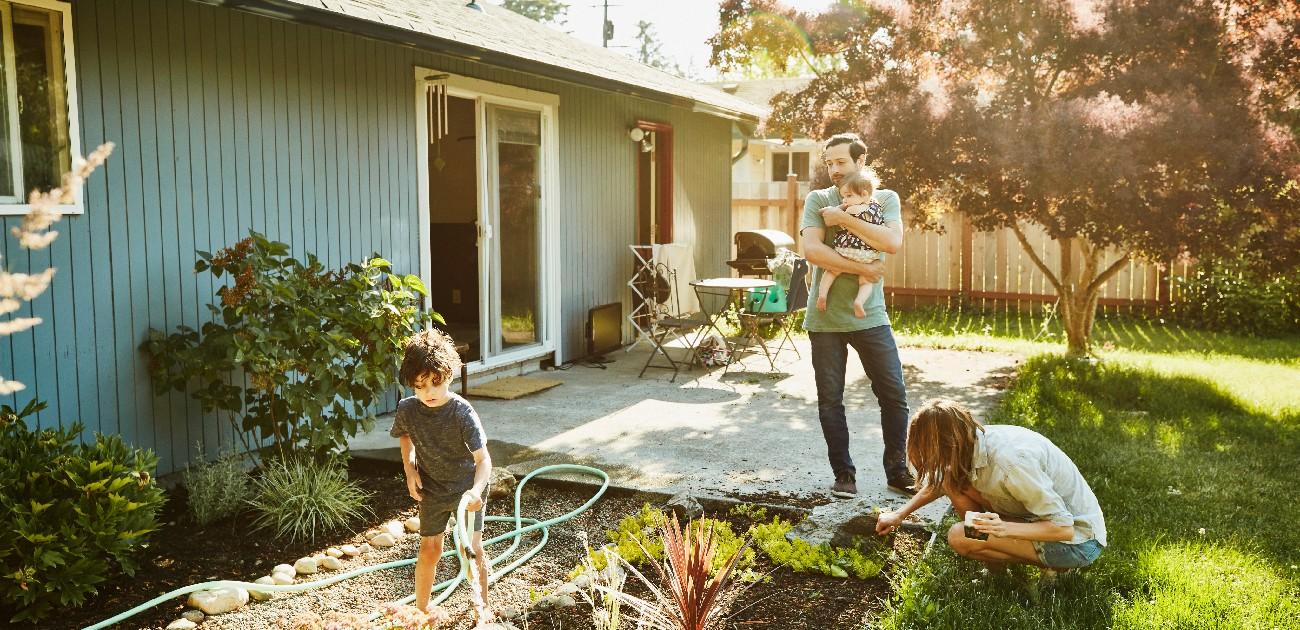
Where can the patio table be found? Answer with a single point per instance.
(715, 294)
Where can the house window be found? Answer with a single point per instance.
(781, 166)
(38, 100)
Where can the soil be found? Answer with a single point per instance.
(182, 553)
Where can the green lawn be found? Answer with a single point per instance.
(1191, 441)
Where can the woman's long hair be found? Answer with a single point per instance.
(941, 445)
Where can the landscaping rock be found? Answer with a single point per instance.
(395, 528)
(685, 506)
(503, 483)
(509, 612)
(334, 552)
(412, 524)
(582, 581)
(384, 540)
(838, 523)
(568, 588)
(282, 578)
(366, 548)
(262, 596)
(555, 602)
(305, 566)
(350, 551)
(283, 568)
(193, 615)
(182, 624)
(330, 563)
(218, 600)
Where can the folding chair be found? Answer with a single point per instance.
(665, 326)
(796, 300)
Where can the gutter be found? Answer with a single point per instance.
(298, 13)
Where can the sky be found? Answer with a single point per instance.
(682, 26)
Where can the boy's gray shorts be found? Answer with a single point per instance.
(436, 512)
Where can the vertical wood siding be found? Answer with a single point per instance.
(226, 122)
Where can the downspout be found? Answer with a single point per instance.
(744, 142)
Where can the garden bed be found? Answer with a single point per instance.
(182, 553)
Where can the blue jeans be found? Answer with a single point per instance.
(879, 355)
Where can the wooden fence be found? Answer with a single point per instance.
(963, 264)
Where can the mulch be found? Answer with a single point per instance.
(182, 553)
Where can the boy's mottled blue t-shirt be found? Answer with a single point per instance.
(445, 438)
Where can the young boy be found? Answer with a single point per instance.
(444, 454)
(857, 191)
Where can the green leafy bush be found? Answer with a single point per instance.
(801, 556)
(73, 513)
(316, 348)
(300, 499)
(216, 490)
(1229, 296)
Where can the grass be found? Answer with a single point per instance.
(1191, 441)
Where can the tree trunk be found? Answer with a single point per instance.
(1078, 295)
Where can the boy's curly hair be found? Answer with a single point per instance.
(429, 352)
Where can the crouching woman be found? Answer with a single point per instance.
(1029, 503)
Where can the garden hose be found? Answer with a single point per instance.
(441, 590)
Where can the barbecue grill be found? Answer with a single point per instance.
(755, 247)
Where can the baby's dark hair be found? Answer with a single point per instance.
(429, 352)
(862, 183)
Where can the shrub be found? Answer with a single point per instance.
(73, 513)
(216, 490)
(1229, 296)
(639, 539)
(802, 556)
(299, 499)
(312, 349)
(695, 575)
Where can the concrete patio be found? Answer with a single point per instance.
(750, 434)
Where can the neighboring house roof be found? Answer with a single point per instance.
(761, 91)
(500, 37)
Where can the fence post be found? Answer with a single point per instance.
(792, 203)
(967, 258)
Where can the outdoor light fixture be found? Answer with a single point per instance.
(637, 134)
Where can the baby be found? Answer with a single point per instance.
(856, 191)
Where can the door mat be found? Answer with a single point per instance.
(512, 387)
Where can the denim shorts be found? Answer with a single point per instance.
(1060, 555)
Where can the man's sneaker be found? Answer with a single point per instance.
(844, 486)
(905, 485)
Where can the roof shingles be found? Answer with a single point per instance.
(502, 31)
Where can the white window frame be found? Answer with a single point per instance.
(485, 93)
(70, 87)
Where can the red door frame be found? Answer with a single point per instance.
(664, 170)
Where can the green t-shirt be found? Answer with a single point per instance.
(838, 316)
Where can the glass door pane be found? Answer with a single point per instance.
(516, 138)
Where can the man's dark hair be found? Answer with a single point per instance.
(857, 148)
(429, 352)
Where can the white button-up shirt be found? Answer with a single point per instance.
(1023, 474)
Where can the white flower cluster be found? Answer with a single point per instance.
(34, 233)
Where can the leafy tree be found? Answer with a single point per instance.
(650, 52)
(1124, 128)
(544, 11)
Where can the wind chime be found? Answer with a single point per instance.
(436, 96)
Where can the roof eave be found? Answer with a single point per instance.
(295, 12)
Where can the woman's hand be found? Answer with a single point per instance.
(992, 524)
(888, 522)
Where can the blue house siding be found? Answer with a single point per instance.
(226, 121)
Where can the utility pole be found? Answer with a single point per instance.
(607, 28)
